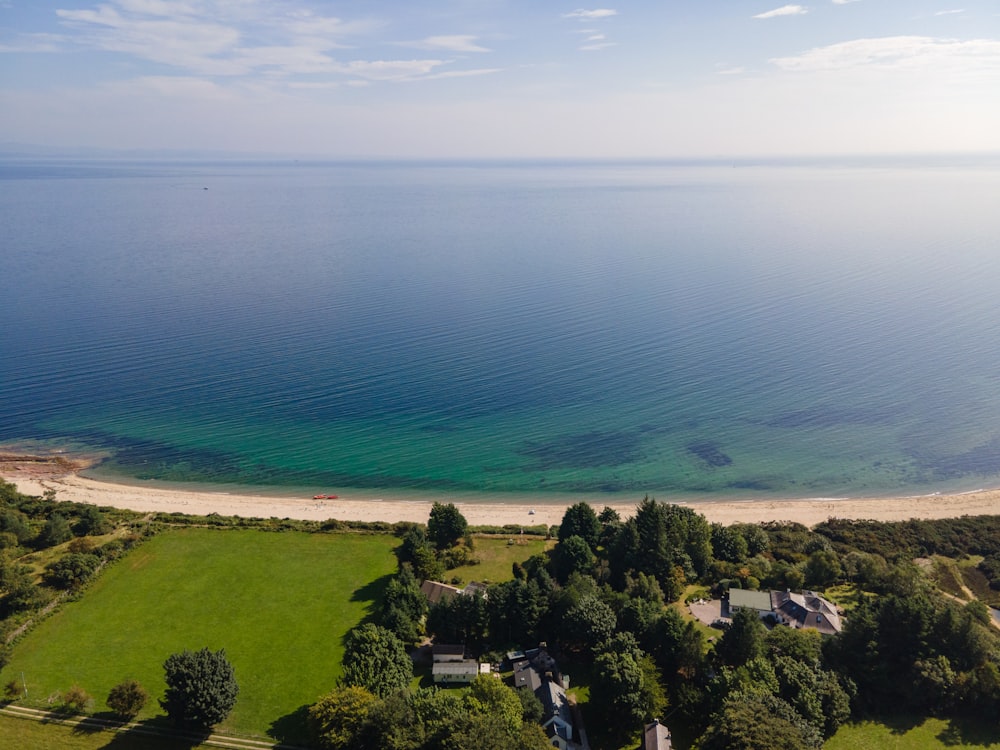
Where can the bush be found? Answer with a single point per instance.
(71, 571)
(127, 699)
(12, 691)
(77, 699)
(82, 545)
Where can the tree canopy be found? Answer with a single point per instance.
(201, 688)
(446, 525)
(376, 660)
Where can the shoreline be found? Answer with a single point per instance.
(36, 474)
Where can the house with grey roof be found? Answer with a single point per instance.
(450, 665)
(656, 736)
(537, 671)
(803, 610)
(806, 610)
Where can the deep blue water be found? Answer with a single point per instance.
(697, 330)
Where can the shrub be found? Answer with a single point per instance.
(81, 545)
(77, 699)
(127, 699)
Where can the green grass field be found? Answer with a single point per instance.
(279, 603)
(496, 558)
(20, 734)
(916, 734)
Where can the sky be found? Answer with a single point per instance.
(503, 78)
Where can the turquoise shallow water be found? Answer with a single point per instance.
(672, 329)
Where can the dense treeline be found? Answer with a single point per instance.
(601, 598)
(952, 537)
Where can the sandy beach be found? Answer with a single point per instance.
(34, 475)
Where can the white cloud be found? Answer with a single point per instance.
(949, 12)
(843, 2)
(597, 46)
(452, 43)
(165, 8)
(390, 70)
(590, 15)
(898, 52)
(244, 38)
(199, 46)
(784, 10)
(462, 73)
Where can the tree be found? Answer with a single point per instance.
(127, 699)
(514, 609)
(17, 589)
(590, 622)
(403, 606)
(337, 719)
(743, 641)
(490, 696)
(91, 522)
(15, 522)
(55, 531)
(823, 568)
(201, 688)
(572, 555)
(729, 544)
(459, 619)
(754, 721)
(446, 525)
(375, 659)
(626, 685)
(581, 520)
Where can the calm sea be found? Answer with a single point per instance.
(697, 330)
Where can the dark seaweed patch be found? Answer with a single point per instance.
(817, 417)
(584, 451)
(149, 459)
(983, 459)
(709, 453)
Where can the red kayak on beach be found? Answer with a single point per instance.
(324, 497)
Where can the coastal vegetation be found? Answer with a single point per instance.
(317, 621)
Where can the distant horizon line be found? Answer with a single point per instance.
(17, 150)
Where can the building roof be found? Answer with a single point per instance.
(435, 591)
(526, 676)
(656, 736)
(558, 715)
(466, 666)
(447, 651)
(807, 610)
(742, 599)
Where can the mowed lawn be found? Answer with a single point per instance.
(497, 557)
(919, 733)
(278, 603)
(22, 734)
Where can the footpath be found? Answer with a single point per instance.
(91, 723)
